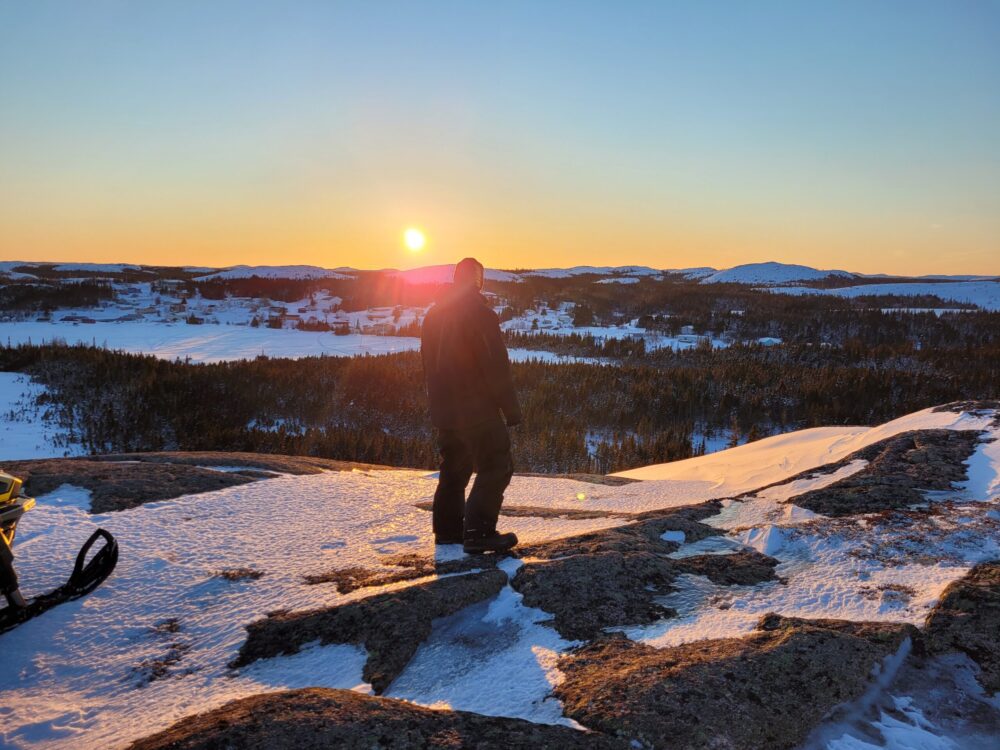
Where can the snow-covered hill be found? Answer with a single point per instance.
(701, 549)
(984, 294)
(770, 273)
(279, 272)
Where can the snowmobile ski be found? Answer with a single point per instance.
(87, 574)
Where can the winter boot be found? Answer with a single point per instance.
(476, 544)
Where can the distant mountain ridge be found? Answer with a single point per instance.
(766, 274)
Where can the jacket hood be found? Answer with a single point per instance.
(457, 295)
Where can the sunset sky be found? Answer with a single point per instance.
(857, 134)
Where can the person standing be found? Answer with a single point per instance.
(472, 403)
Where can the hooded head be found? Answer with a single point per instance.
(469, 273)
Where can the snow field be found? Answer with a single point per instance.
(79, 676)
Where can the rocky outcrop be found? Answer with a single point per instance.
(125, 480)
(390, 625)
(613, 577)
(119, 486)
(743, 568)
(967, 619)
(765, 690)
(899, 471)
(319, 718)
(589, 592)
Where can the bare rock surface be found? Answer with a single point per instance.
(125, 480)
(743, 568)
(967, 620)
(119, 486)
(899, 471)
(767, 689)
(321, 718)
(390, 625)
(613, 577)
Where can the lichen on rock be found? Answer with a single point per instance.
(321, 718)
(967, 620)
(764, 690)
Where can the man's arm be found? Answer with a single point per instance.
(496, 367)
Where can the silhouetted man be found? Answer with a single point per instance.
(472, 402)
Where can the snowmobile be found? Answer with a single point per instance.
(87, 574)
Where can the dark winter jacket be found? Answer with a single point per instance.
(465, 362)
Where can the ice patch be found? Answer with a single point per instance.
(710, 545)
(673, 536)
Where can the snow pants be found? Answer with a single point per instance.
(484, 449)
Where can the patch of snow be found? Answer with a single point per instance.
(984, 471)
(710, 545)
(768, 540)
(471, 653)
(67, 495)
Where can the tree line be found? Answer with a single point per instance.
(579, 417)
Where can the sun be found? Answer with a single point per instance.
(414, 239)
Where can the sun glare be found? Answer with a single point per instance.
(414, 239)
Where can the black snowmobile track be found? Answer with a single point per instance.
(86, 576)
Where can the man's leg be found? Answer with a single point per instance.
(494, 468)
(449, 499)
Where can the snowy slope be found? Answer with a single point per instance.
(770, 273)
(75, 678)
(985, 294)
(753, 465)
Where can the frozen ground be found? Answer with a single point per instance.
(219, 343)
(151, 645)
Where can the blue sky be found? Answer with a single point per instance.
(852, 134)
